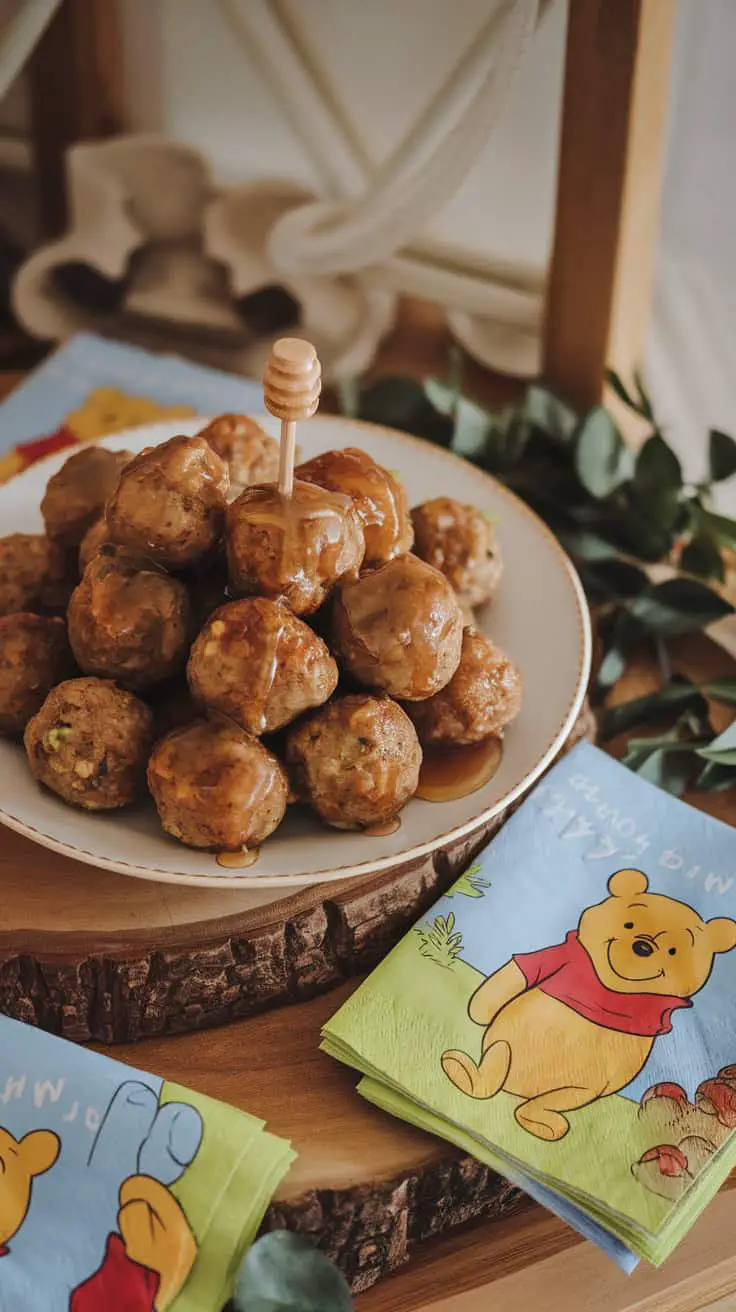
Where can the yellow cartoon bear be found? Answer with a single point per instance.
(577, 1021)
(21, 1160)
(145, 1264)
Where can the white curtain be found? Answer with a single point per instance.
(691, 365)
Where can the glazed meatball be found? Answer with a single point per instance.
(294, 548)
(34, 656)
(379, 499)
(257, 663)
(216, 787)
(460, 541)
(481, 699)
(97, 536)
(356, 761)
(248, 451)
(34, 574)
(128, 620)
(170, 502)
(74, 497)
(399, 628)
(89, 743)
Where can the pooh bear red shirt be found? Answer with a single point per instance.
(566, 972)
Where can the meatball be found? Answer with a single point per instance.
(379, 499)
(35, 574)
(170, 502)
(89, 743)
(214, 786)
(482, 697)
(356, 761)
(128, 620)
(257, 663)
(399, 628)
(74, 497)
(248, 451)
(294, 548)
(97, 536)
(460, 541)
(34, 655)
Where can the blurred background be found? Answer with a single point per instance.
(225, 80)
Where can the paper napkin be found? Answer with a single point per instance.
(120, 1190)
(567, 1012)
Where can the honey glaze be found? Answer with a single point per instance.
(238, 860)
(285, 546)
(448, 773)
(383, 829)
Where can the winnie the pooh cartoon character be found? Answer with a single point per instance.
(145, 1260)
(21, 1160)
(574, 1022)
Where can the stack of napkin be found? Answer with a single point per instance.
(119, 1190)
(567, 1013)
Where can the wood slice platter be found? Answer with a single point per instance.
(94, 955)
(365, 1187)
(369, 1190)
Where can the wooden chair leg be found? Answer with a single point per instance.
(75, 87)
(613, 128)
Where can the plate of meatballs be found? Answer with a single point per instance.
(205, 682)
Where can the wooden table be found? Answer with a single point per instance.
(270, 1065)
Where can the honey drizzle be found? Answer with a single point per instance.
(449, 773)
(247, 856)
(383, 828)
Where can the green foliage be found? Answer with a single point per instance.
(722, 455)
(440, 941)
(602, 460)
(617, 515)
(284, 1272)
(470, 884)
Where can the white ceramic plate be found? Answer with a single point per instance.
(539, 617)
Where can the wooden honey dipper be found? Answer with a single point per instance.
(292, 383)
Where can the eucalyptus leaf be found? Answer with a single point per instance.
(721, 690)
(645, 405)
(640, 404)
(649, 708)
(443, 396)
(701, 556)
(671, 768)
(587, 545)
(716, 778)
(284, 1272)
(611, 668)
(608, 579)
(402, 403)
(722, 749)
(546, 411)
(602, 460)
(679, 605)
(348, 394)
(622, 577)
(722, 455)
(646, 523)
(473, 427)
(718, 527)
(721, 756)
(619, 387)
(657, 467)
